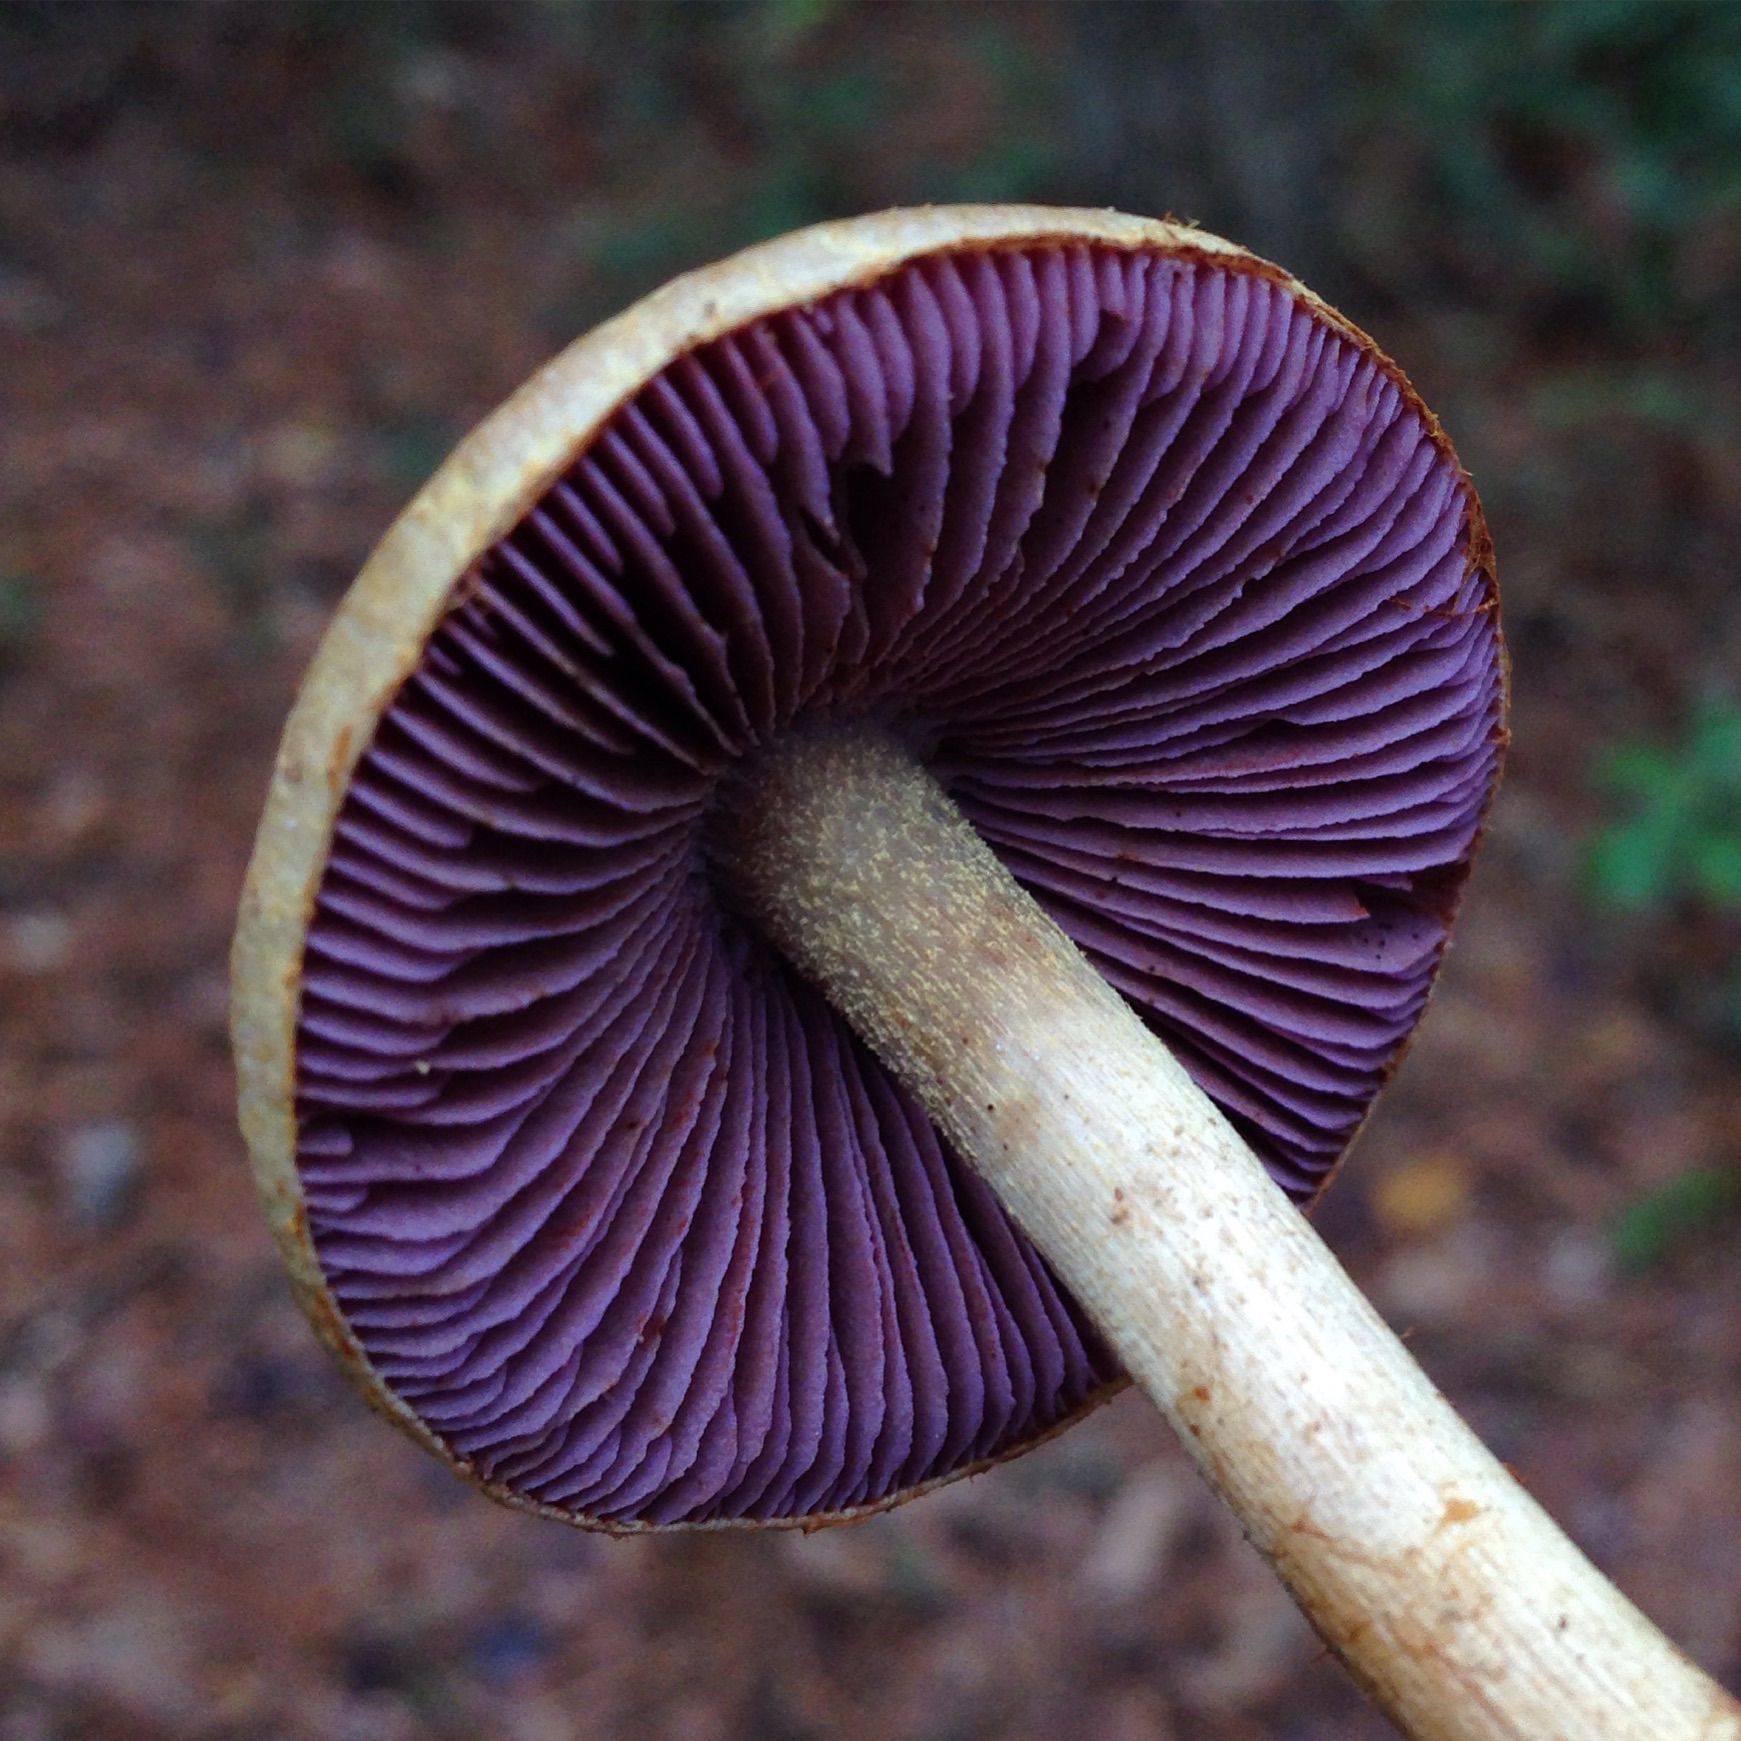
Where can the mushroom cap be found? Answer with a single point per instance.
(1163, 569)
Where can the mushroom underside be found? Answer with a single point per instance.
(1169, 580)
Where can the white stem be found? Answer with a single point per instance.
(1452, 1597)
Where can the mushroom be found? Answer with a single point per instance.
(840, 875)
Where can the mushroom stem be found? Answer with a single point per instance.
(1452, 1597)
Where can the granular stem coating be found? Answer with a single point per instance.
(1449, 1593)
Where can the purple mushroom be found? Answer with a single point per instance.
(1108, 531)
